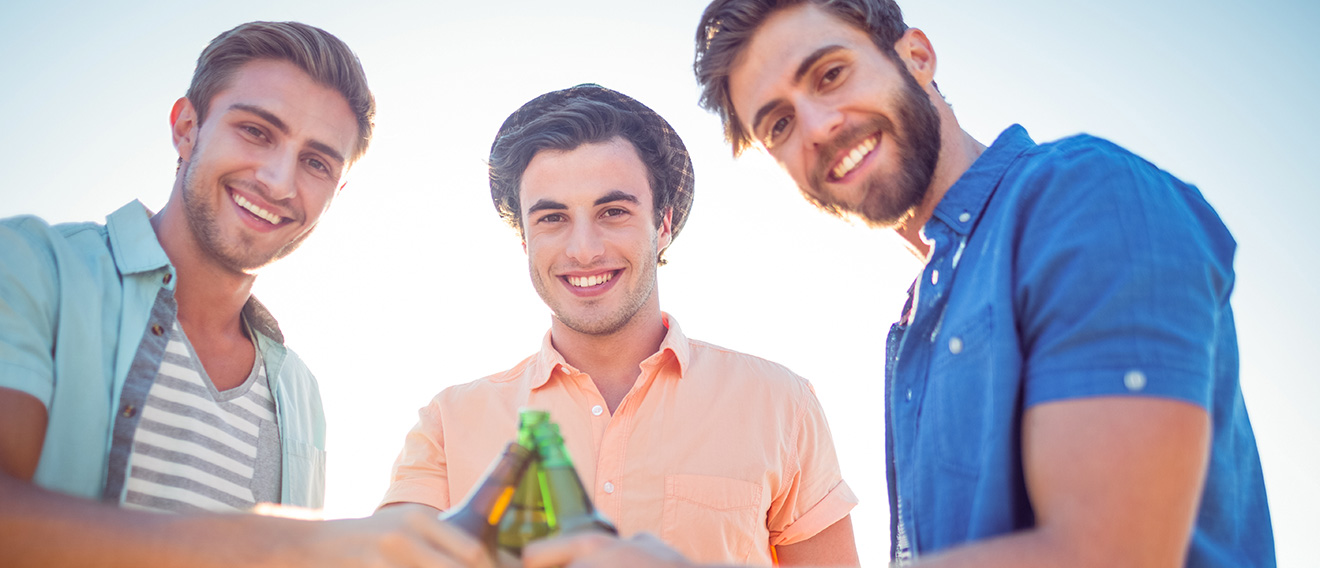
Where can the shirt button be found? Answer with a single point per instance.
(130, 411)
(965, 217)
(168, 278)
(157, 330)
(1134, 380)
(597, 410)
(956, 345)
(934, 277)
(909, 394)
(609, 487)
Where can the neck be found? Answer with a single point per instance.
(958, 150)
(613, 361)
(210, 296)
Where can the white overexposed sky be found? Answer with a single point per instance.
(412, 283)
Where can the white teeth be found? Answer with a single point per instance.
(589, 281)
(854, 157)
(251, 207)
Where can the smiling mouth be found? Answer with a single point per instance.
(589, 281)
(255, 210)
(855, 157)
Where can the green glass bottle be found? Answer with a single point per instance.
(567, 506)
(479, 514)
(525, 519)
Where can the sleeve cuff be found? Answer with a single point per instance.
(27, 381)
(833, 507)
(416, 491)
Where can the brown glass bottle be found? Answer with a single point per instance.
(525, 519)
(568, 508)
(479, 514)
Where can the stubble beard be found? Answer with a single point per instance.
(888, 200)
(239, 257)
(603, 324)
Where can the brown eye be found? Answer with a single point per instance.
(830, 76)
(778, 128)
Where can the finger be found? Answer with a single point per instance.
(561, 551)
(456, 546)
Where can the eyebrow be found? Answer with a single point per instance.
(275, 121)
(616, 195)
(807, 63)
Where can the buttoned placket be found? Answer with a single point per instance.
(911, 363)
(613, 431)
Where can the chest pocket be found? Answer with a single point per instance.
(955, 402)
(305, 472)
(715, 519)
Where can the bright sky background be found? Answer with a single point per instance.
(412, 283)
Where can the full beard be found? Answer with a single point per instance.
(888, 200)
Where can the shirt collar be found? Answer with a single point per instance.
(675, 347)
(133, 241)
(136, 250)
(963, 204)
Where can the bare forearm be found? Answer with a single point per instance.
(1026, 549)
(43, 528)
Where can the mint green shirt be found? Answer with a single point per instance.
(85, 313)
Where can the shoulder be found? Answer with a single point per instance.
(743, 369)
(1085, 185)
(29, 235)
(42, 258)
(490, 387)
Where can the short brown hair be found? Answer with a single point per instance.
(727, 26)
(324, 57)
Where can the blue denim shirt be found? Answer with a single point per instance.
(1059, 271)
(84, 311)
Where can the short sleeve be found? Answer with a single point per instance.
(421, 472)
(1123, 279)
(814, 496)
(28, 307)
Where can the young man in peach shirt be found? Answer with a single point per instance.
(724, 456)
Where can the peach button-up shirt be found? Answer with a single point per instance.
(723, 455)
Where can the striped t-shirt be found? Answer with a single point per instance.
(199, 449)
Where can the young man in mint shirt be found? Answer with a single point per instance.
(137, 373)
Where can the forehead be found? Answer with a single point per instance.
(584, 174)
(770, 60)
(308, 109)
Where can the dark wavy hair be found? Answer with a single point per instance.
(588, 114)
(728, 25)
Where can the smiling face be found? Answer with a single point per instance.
(591, 239)
(264, 166)
(854, 129)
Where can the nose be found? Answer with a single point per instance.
(278, 175)
(819, 120)
(584, 243)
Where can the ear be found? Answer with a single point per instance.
(666, 229)
(917, 54)
(183, 126)
(524, 245)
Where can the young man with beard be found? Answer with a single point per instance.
(137, 370)
(725, 456)
(1062, 385)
